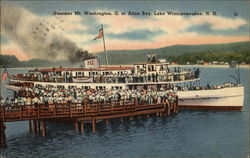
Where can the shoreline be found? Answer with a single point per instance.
(211, 66)
(201, 66)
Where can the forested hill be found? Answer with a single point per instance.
(12, 61)
(172, 53)
(178, 53)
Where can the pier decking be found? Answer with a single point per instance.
(79, 113)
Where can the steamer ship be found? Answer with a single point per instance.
(153, 74)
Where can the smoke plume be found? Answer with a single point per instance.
(37, 37)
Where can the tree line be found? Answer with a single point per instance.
(192, 58)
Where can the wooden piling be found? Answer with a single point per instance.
(3, 143)
(107, 122)
(76, 126)
(177, 106)
(131, 118)
(30, 126)
(43, 128)
(82, 127)
(174, 110)
(160, 114)
(35, 126)
(93, 124)
(169, 110)
(39, 127)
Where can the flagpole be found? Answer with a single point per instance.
(106, 55)
(1, 84)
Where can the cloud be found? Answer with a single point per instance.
(142, 35)
(125, 32)
(13, 49)
(68, 23)
(219, 22)
(4, 40)
(168, 24)
(189, 38)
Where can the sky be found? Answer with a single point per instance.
(122, 32)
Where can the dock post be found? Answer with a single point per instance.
(43, 128)
(131, 118)
(39, 127)
(107, 122)
(93, 124)
(76, 126)
(177, 106)
(3, 143)
(160, 114)
(35, 126)
(174, 107)
(169, 109)
(30, 126)
(82, 127)
(136, 103)
(121, 120)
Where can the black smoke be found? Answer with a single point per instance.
(37, 37)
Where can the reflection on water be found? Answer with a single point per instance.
(188, 134)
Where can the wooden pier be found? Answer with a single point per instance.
(79, 113)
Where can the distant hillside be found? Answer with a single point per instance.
(179, 53)
(133, 56)
(12, 61)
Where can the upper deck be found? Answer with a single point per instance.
(106, 75)
(152, 72)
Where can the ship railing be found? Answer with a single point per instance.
(124, 79)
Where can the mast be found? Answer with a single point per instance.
(238, 72)
(106, 54)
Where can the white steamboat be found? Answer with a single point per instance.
(149, 75)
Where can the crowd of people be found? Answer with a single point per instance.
(194, 86)
(38, 94)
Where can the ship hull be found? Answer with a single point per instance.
(231, 98)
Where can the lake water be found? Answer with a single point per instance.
(194, 134)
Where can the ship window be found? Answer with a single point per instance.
(90, 62)
(161, 68)
(99, 87)
(150, 67)
(138, 67)
(79, 73)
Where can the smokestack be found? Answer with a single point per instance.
(37, 37)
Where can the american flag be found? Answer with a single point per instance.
(100, 34)
(4, 76)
